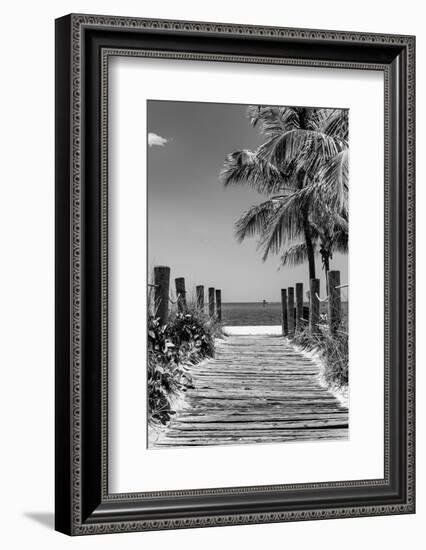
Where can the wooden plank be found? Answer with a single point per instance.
(258, 389)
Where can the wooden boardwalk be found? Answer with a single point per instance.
(258, 389)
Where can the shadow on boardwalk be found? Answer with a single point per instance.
(258, 389)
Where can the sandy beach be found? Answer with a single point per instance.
(251, 330)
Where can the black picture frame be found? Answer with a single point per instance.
(83, 45)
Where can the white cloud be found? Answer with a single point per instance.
(154, 139)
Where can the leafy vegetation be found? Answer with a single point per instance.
(332, 349)
(186, 339)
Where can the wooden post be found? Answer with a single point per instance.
(290, 311)
(181, 294)
(299, 306)
(334, 301)
(314, 313)
(211, 302)
(161, 294)
(219, 304)
(306, 315)
(284, 319)
(200, 297)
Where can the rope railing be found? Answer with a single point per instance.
(326, 298)
(295, 314)
(173, 302)
(162, 296)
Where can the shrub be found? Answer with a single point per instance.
(193, 333)
(186, 339)
(166, 377)
(333, 350)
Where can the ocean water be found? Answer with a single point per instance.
(251, 314)
(257, 314)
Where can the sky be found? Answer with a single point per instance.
(191, 215)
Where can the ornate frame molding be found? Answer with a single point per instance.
(72, 45)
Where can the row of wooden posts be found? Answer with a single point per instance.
(162, 289)
(295, 316)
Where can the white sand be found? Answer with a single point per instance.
(242, 331)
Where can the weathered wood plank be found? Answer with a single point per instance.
(258, 389)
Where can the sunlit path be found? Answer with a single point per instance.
(257, 389)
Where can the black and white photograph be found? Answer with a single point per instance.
(248, 280)
(209, 298)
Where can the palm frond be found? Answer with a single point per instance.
(284, 224)
(273, 121)
(341, 242)
(331, 228)
(341, 222)
(333, 180)
(317, 118)
(255, 220)
(337, 124)
(295, 254)
(304, 149)
(327, 191)
(247, 168)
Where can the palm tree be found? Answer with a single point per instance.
(326, 242)
(332, 233)
(304, 150)
(328, 200)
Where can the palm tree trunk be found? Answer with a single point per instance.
(326, 267)
(309, 248)
(306, 229)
